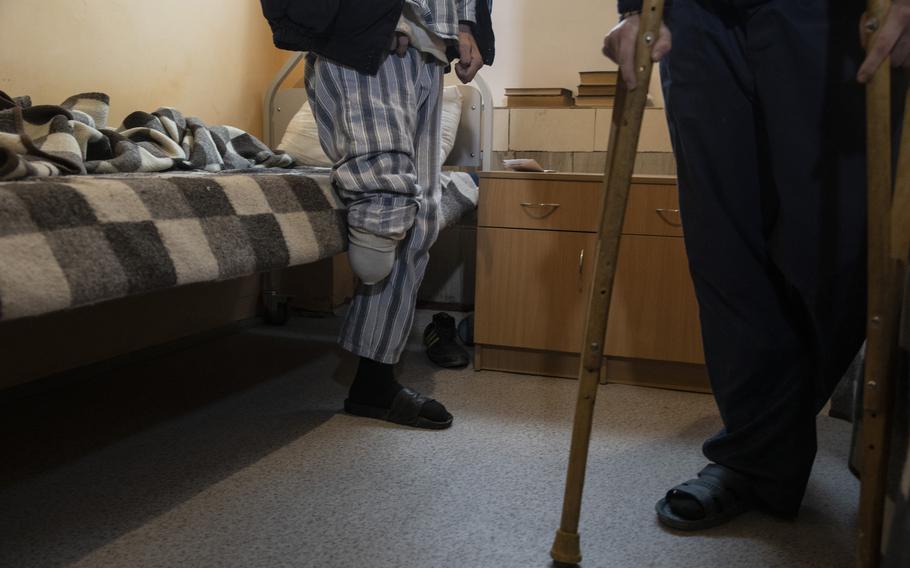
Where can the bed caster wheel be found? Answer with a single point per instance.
(277, 310)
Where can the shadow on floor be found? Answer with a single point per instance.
(146, 436)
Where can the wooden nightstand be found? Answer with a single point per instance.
(535, 245)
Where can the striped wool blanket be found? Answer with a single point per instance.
(73, 138)
(76, 240)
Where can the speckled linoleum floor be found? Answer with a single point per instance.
(233, 453)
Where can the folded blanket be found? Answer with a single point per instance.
(73, 138)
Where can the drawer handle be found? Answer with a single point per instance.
(540, 205)
(544, 209)
(663, 213)
(581, 262)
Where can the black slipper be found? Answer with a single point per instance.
(405, 410)
(722, 493)
(442, 348)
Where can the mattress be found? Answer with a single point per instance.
(72, 241)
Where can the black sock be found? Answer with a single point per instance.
(375, 385)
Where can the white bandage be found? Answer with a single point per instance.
(371, 256)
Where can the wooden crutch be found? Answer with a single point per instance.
(887, 253)
(624, 133)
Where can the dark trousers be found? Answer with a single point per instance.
(767, 123)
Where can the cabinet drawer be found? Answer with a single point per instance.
(575, 206)
(540, 204)
(653, 210)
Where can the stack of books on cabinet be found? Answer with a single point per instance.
(597, 89)
(539, 98)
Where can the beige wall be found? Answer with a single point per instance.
(214, 58)
(545, 43)
(208, 58)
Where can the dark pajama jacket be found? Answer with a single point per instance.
(354, 33)
(767, 123)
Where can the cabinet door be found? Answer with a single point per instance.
(532, 288)
(654, 314)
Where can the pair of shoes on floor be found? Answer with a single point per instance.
(440, 339)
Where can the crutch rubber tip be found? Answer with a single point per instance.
(566, 549)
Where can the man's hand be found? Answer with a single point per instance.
(619, 45)
(400, 44)
(469, 59)
(893, 39)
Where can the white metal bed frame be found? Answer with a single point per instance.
(473, 144)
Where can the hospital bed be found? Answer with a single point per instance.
(73, 242)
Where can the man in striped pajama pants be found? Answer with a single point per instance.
(382, 132)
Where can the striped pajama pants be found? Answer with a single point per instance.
(383, 134)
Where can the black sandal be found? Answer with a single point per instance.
(722, 493)
(405, 410)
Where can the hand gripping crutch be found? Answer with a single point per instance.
(624, 133)
(889, 200)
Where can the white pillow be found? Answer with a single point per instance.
(301, 140)
(451, 116)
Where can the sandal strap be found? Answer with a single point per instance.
(716, 489)
(727, 479)
(706, 495)
(406, 407)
